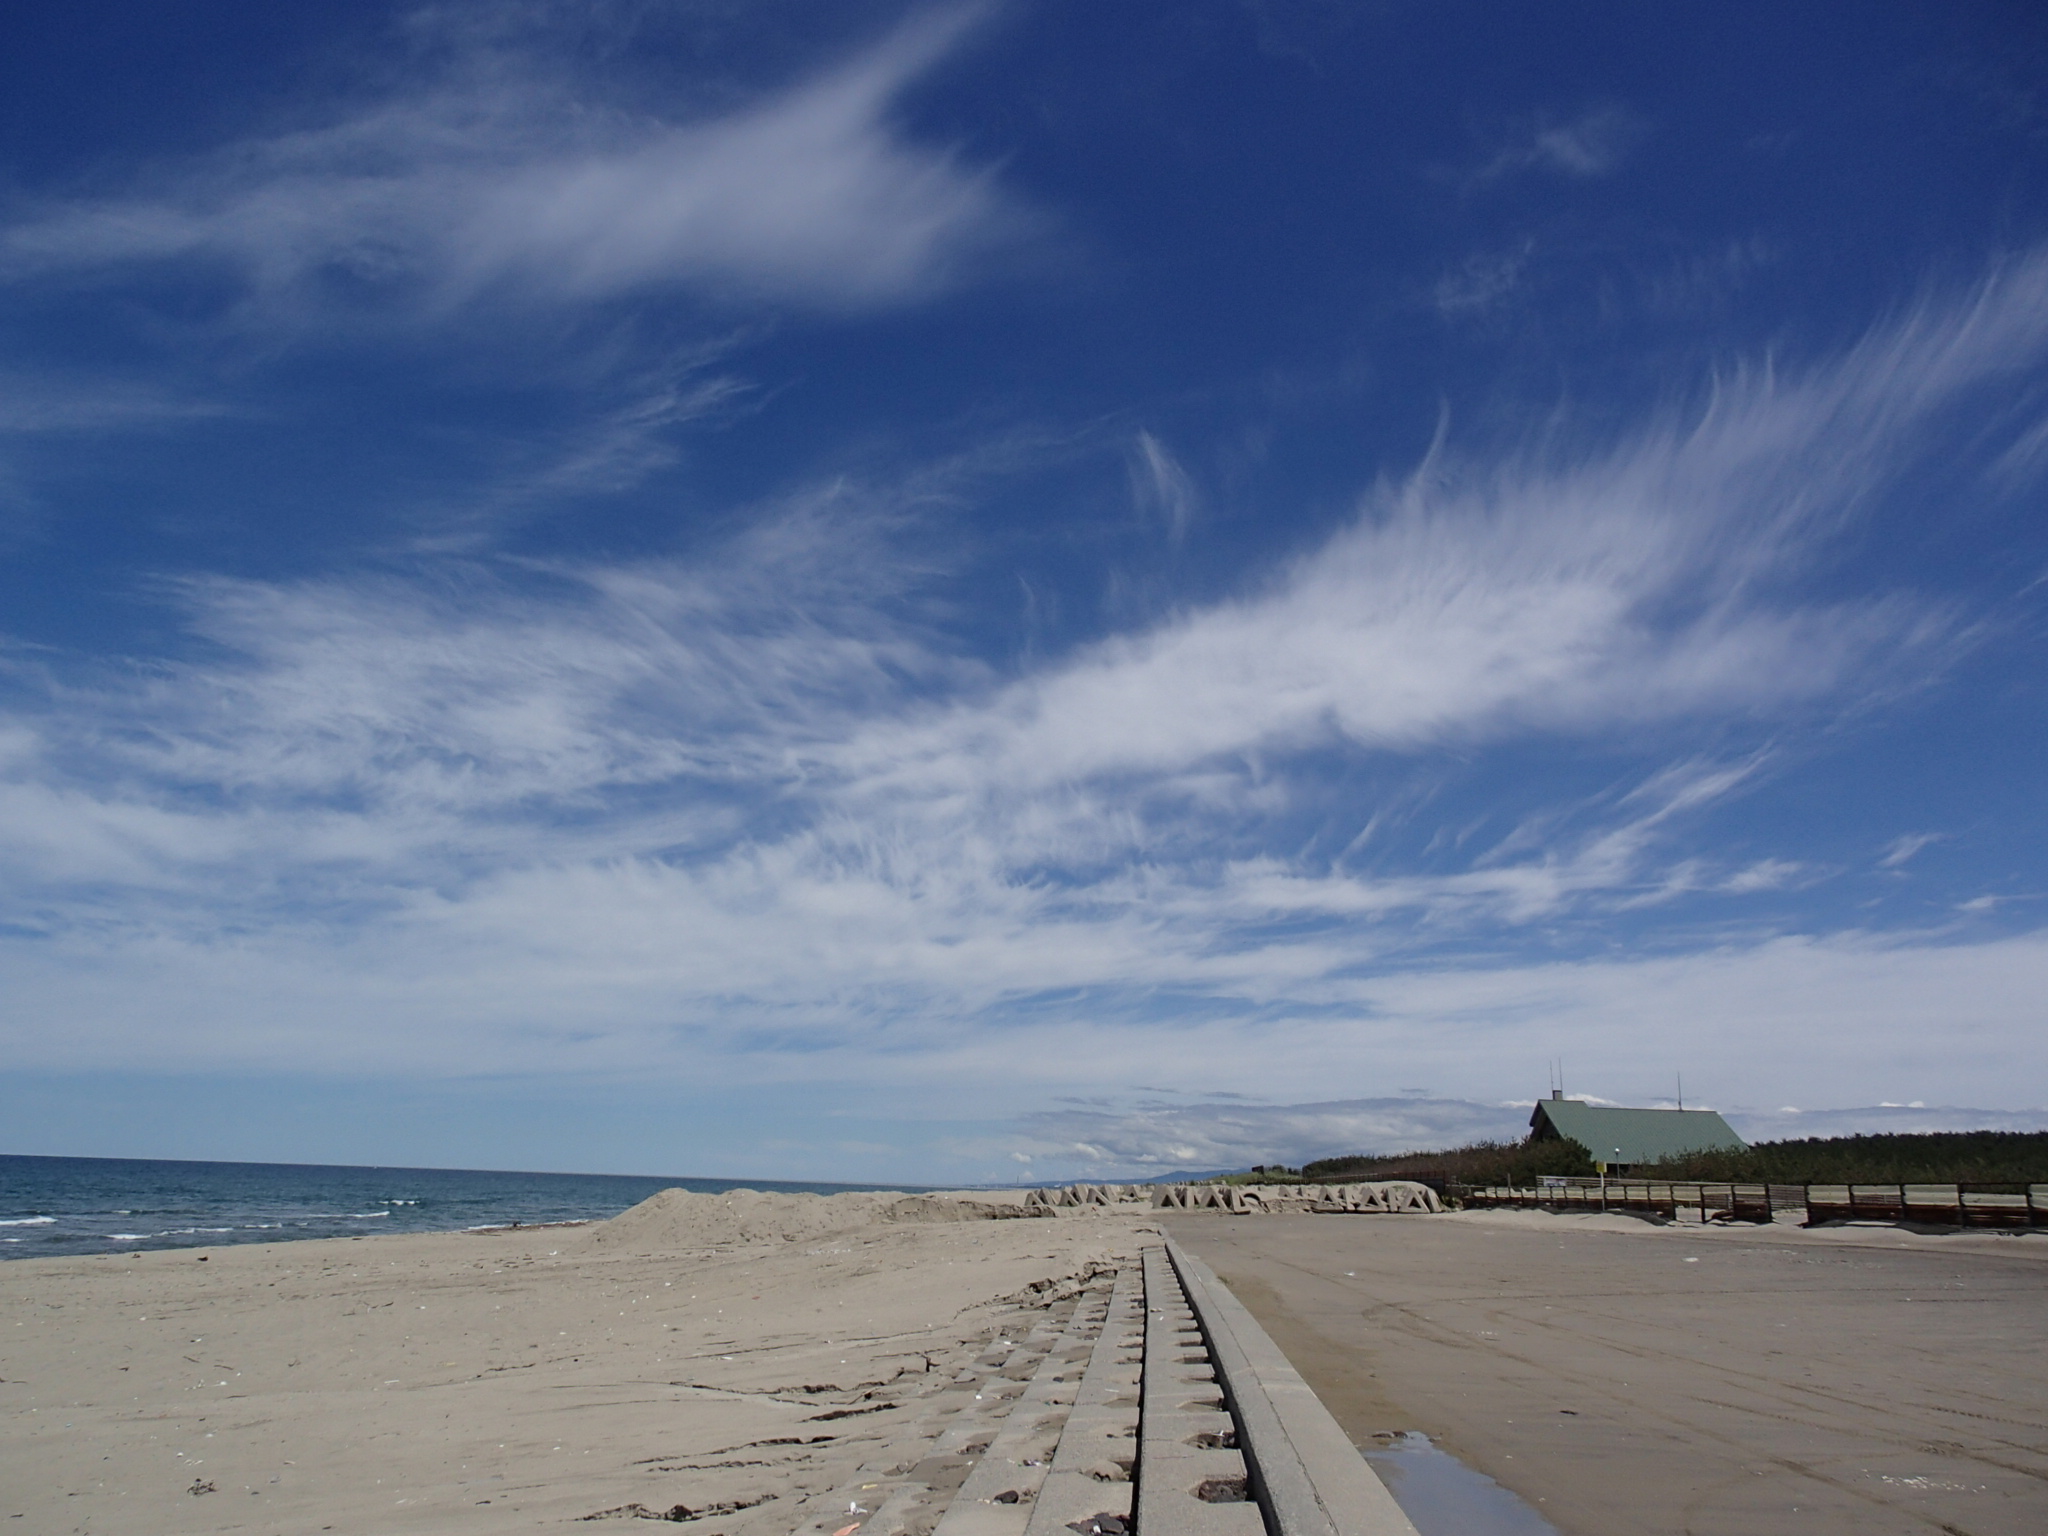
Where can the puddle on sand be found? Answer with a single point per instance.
(1444, 1497)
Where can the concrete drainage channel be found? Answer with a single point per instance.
(1158, 1408)
(1299, 1472)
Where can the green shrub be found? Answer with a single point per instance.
(1946, 1157)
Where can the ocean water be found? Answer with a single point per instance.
(56, 1206)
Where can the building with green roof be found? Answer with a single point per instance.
(1624, 1138)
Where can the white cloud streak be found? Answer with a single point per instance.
(1902, 849)
(1470, 604)
(1481, 281)
(527, 186)
(1162, 487)
(39, 405)
(1593, 144)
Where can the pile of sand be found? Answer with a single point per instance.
(676, 1219)
(956, 1208)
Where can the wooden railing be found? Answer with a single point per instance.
(1958, 1205)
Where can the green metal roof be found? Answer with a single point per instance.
(1631, 1136)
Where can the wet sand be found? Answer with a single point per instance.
(1628, 1379)
(488, 1383)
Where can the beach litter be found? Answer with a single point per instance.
(676, 1513)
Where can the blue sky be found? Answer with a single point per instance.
(967, 592)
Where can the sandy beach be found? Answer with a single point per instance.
(737, 1357)
(1626, 1378)
(751, 1364)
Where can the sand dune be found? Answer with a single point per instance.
(677, 1220)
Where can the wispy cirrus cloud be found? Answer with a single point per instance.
(1903, 848)
(1536, 592)
(63, 404)
(1481, 281)
(1161, 486)
(521, 182)
(620, 441)
(767, 811)
(1594, 143)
